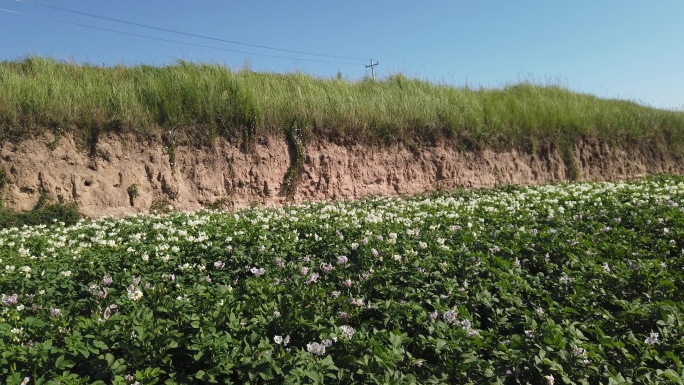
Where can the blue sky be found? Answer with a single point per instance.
(623, 49)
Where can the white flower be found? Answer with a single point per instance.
(549, 379)
(347, 331)
(450, 316)
(579, 352)
(134, 293)
(278, 339)
(316, 348)
(652, 339)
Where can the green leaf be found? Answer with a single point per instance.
(62, 363)
(672, 376)
(100, 345)
(84, 351)
(328, 363)
(314, 376)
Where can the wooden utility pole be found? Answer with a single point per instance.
(372, 67)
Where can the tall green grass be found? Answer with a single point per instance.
(205, 101)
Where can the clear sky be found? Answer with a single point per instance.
(625, 49)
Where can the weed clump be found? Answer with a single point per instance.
(44, 213)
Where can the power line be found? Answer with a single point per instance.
(183, 33)
(173, 41)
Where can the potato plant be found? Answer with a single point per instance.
(577, 283)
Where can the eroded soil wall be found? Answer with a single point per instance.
(123, 175)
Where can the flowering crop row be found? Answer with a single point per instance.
(573, 283)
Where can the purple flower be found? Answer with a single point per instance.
(9, 300)
(326, 268)
(107, 280)
(342, 260)
(358, 302)
(366, 275)
(312, 279)
(97, 291)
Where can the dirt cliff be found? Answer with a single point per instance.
(124, 175)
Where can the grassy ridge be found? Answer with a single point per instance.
(212, 100)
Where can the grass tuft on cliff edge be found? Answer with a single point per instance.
(206, 101)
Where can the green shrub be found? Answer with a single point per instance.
(45, 213)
